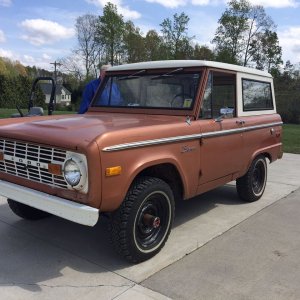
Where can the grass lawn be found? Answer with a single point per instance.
(7, 112)
(291, 138)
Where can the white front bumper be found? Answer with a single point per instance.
(72, 211)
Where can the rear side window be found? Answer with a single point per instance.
(257, 95)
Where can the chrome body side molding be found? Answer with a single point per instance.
(187, 137)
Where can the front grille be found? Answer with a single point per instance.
(30, 161)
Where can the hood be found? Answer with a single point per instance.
(71, 131)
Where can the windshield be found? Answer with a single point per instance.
(166, 90)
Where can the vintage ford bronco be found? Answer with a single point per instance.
(155, 132)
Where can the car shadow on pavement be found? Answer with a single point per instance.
(33, 252)
(186, 210)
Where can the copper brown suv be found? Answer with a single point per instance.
(155, 132)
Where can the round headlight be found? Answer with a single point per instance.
(72, 172)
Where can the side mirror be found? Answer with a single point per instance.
(225, 112)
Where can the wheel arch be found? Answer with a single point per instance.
(251, 185)
(167, 169)
(271, 153)
(167, 172)
(267, 155)
(264, 152)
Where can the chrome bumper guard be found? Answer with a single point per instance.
(69, 210)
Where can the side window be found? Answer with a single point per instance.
(257, 95)
(220, 96)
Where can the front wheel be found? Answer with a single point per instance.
(142, 224)
(251, 186)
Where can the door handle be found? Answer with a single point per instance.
(240, 122)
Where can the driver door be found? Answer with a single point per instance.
(221, 148)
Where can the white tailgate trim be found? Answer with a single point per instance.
(66, 209)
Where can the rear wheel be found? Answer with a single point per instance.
(141, 226)
(251, 186)
(26, 212)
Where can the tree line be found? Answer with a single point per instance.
(287, 91)
(15, 84)
(245, 35)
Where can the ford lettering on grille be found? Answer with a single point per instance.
(26, 162)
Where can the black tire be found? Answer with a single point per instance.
(252, 185)
(26, 212)
(142, 224)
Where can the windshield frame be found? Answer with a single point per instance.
(150, 110)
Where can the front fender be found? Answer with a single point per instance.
(134, 161)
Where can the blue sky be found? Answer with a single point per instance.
(39, 32)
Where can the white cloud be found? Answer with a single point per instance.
(265, 3)
(40, 32)
(2, 37)
(203, 26)
(201, 2)
(170, 3)
(275, 3)
(46, 56)
(6, 53)
(40, 62)
(122, 9)
(28, 59)
(290, 43)
(24, 59)
(5, 3)
(147, 27)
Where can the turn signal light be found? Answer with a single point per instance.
(113, 171)
(55, 169)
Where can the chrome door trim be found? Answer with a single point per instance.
(187, 137)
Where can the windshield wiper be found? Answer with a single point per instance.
(132, 76)
(169, 74)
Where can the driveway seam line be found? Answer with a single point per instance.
(217, 236)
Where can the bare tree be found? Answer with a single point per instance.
(71, 65)
(88, 48)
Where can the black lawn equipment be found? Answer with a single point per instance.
(34, 110)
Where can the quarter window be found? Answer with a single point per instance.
(257, 95)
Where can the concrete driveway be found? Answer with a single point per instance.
(54, 258)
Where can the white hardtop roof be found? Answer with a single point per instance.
(188, 63)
